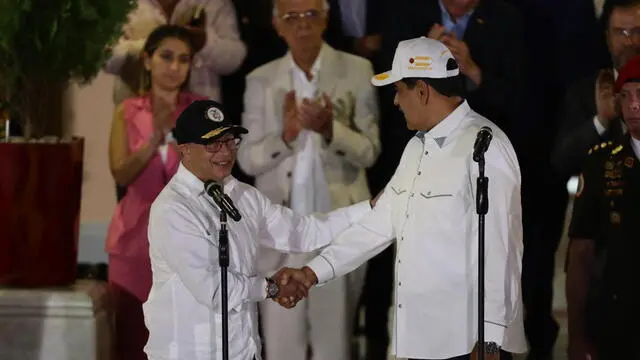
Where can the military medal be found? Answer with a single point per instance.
(615, 217)
(628, 162)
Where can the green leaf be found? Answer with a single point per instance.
(47, 41)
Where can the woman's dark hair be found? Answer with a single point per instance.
(451, 86)
(154, 40)
(609, 6)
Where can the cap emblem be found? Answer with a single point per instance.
(214, 114)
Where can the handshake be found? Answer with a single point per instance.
(291, 285)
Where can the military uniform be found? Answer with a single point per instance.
(607, 211)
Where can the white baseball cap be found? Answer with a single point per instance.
(418, 58)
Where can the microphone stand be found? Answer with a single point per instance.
(482, 207)
(223, 256)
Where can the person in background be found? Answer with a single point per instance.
(433, 220)
(590, 119)
(602, 274)
(143, 158)
(183, 312)
(218, 49)
(313, 122)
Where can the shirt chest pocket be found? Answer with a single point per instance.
(443, 203)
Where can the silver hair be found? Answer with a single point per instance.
(325, 6)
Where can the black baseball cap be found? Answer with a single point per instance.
(202, 122)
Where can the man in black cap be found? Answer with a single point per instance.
(183, 312)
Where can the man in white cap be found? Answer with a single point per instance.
(429, 206)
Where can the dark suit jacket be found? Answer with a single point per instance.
(374, 17)
(577, 133)
(495, 39)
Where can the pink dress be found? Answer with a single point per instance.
(127, 243)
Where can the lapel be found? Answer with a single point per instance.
(281, 81)
(328, 76)
(329, 73)
(476, 27)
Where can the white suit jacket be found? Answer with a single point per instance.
(345, 78)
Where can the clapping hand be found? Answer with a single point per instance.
(294, 285)
(316, 116)
(459, 50)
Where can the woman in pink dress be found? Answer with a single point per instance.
(142, 158)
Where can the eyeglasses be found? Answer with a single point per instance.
(231, 144)
(292, 18)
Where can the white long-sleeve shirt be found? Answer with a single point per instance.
(183, 311)
(429, 207)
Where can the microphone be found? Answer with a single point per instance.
(482, 142)
(223, 201)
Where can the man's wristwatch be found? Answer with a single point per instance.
(491, 348)
(272, 288)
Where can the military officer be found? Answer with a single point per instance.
(602, 274)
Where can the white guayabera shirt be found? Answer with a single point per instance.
(183, 311)
(429, 207)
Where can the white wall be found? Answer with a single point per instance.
(91, 109)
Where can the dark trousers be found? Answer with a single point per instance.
(503, 356)
(543, 222)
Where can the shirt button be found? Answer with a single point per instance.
(412, 194)
(399, 261)
(399, 283)
(419, 172)
(400, 306)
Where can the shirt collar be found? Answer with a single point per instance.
(315, 68)
(635, 145)
(195, 185)
(446, 17)
(445, 128)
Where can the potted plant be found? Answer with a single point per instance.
(45, 45)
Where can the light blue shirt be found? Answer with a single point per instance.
(456, 26)
(354, 17)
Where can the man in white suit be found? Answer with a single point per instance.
(312, 117)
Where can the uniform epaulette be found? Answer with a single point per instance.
(600, 146)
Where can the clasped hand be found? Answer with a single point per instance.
(293, 285)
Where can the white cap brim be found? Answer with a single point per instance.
(385, 78)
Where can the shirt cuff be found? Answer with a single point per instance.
(494, 332)
(258, 290)
(599, 128)
(322, 268)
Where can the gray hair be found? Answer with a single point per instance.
(325, 6)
